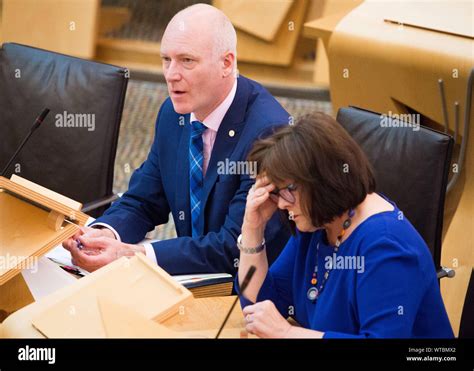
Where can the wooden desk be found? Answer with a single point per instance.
(200, 318)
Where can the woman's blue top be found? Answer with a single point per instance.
(382, 283)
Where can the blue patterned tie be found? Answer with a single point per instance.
(195, 173)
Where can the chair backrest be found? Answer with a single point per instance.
(73, 152)
(466, 328)
(411, 165)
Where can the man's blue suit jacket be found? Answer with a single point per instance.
(161, 185)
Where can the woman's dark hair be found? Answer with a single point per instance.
(318, 155)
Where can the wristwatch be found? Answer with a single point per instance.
(249, 250)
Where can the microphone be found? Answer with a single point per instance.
(244, 285)
(35, 126)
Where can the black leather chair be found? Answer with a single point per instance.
(411, 168)
(466, 328)
(76, 161)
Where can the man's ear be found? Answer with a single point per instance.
(228, 64)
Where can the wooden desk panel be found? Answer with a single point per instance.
(281, 50)
(261, 19)
(200, 318)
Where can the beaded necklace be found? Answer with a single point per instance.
(314, 292)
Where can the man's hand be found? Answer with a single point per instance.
(70, 243)
(98, 250)
(264, 320)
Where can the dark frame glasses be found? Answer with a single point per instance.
(285, 193)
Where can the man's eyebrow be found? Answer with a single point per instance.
(181, 55)
(187, 55)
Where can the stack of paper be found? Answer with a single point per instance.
(206, 285)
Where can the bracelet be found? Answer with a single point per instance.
(250, 250)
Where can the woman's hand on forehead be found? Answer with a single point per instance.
(264, 182)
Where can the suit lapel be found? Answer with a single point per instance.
(233, 123)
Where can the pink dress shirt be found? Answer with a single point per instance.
(212, 122)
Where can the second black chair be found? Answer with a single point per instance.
(411, 165)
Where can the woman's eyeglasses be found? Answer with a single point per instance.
(285, 193)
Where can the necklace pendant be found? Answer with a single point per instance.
(312, 294)
(346, 224)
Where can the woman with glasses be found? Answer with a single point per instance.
(355, 267)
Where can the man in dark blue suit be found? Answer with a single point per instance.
(196, 168)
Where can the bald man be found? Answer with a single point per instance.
(196, 167)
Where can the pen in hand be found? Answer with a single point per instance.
(79, 244)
